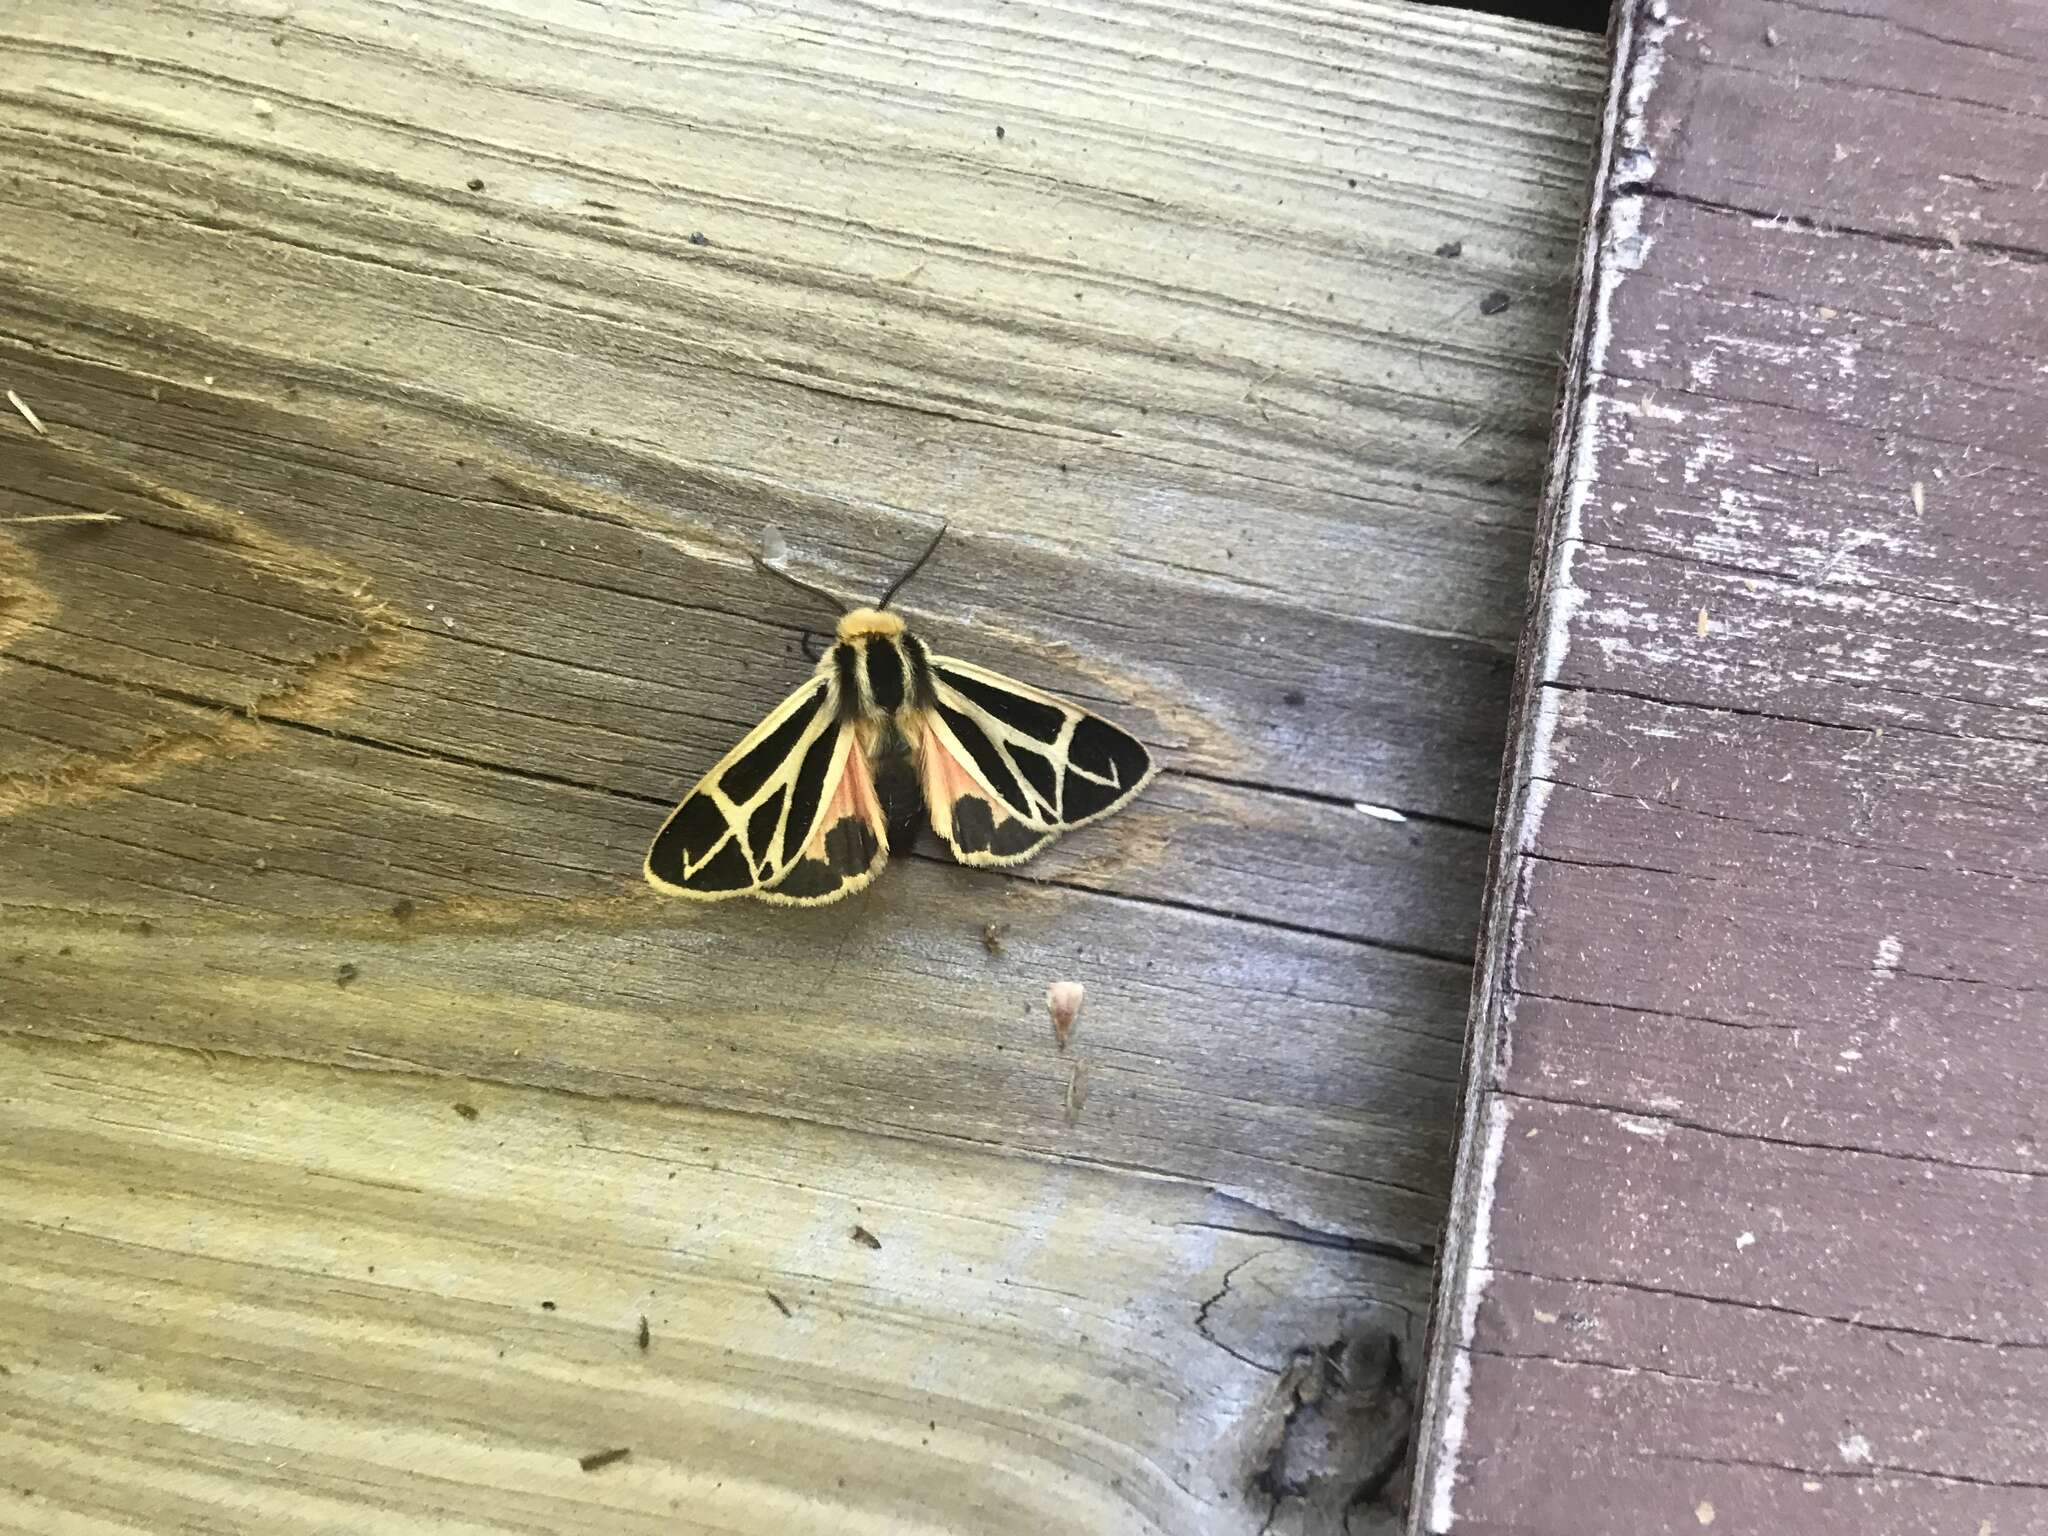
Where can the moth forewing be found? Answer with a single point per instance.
(1096, 766)
(729, 835)
(975, 822)
(848, 840)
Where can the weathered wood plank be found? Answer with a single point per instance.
(441, 1346)
(1752, 1227)
(1821, 113)
(447, 364)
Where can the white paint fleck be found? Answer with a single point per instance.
(1889, 952)
(1746, 1240)
(1708, 451)
(1704, 1512)
(1664, 1101)
(1851, 1055)
(1655, 1130)
(1920, 497)
(1855, 1450)
(1377, 812)
(1478, 1271)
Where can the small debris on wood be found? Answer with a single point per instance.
(698, 237)
(547, 1306)
(646, 1336)
(345, 973)
(260, 865)
(1063, 1002)
(63, 517)
(999, 130)
(774, 547)
(142, 926)
(865, 1238)
(467, 1111)
(992, 937)
(1077, 1091)
(1770, 37)
(780, 1305)
(1494, 303)
(1294, 698)
(476, 183)
(263, 109)
(27, 415)
(1451, 248)
(598, 1459)
(1920, 498)
(403, 908)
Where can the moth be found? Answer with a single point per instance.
(883, 735)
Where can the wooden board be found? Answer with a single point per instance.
(1752, 1222)
(446, 364)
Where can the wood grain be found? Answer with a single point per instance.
(446, 363)
(1752, 1227)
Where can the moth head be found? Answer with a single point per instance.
(864, 623)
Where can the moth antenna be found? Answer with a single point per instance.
(897, 585)
(801, 585)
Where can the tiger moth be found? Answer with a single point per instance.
(805, 808)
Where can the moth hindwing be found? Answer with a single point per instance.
(795, 813)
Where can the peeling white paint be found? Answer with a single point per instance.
(1377, 812)
(1745, 1240)
(1889, 952)
(1478, 1271)
(1855, 1450)
(1655, 1130)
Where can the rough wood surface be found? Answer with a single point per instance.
(445, 362)
(1752, 1222)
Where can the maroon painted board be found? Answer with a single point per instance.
(1751, 1227)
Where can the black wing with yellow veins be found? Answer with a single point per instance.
(789, 814)
(1008, 767)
